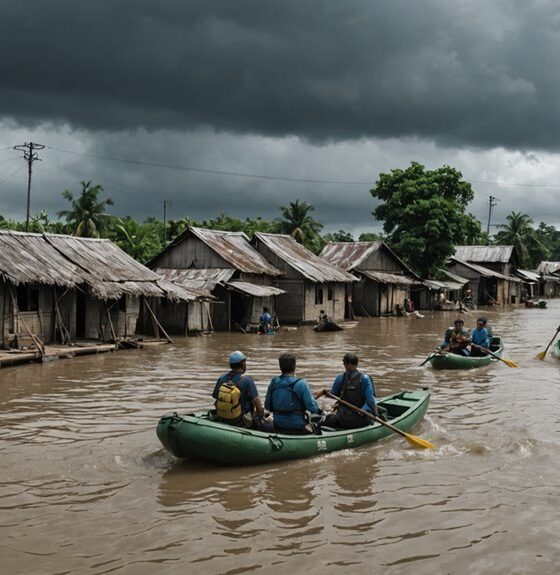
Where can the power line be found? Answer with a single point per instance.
(18, 169)
(269, 177)
(214, 172)
(9, 159)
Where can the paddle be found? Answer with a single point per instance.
(508, 362)
(436, 352)
(541, 354)
(417, 441)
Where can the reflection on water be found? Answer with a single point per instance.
(86, 488)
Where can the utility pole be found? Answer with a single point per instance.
(165, 204)
(29, 155)
(492, 202)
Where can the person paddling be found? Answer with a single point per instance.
(456, 339)
(356, 388)
(480, 337)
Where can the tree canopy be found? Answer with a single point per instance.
(520, 233)
(424, 214)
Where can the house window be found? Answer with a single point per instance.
(330, 294)
(318, 295)
(27, 298)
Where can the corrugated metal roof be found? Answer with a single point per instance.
(481, 254)
(528, 275)
(254, 289)
(202, 282)
(454, 277)
(302, 260)
(69, 261)
(548, 267)
(347, 255)
(433, 284)
(486, 272)
(387, 278)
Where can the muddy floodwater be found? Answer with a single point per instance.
(85, 487)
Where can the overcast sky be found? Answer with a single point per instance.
(316, 90)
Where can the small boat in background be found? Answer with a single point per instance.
(327, 324)
(446, 360)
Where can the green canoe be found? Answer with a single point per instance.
(198, 436)
(446, 360)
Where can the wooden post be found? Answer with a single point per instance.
(207, 306)
(63, 330)
(111, 326)
(157, 322)
(36, 340)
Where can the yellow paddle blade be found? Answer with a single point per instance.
(419, 442)
(509, 363)
(540, 355)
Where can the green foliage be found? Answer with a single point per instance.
(340, 236)
(371, 237)
(297, 222)
(550, 237)
(141, 241)
(424, 214)
(520, 233)
(87, 218)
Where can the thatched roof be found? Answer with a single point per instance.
(68, 261)
(303, 261)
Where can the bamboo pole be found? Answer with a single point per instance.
(36, 340)
(157, 322)
(111, 326)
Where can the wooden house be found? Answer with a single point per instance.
(498, 288)
(549, 279)
(384, 279)
(228, 268)
(56, 288)
(312, 283)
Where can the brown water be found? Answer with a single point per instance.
(85, 487)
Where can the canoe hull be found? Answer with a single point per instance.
(556, 349)
(455, 361)
(197, 436)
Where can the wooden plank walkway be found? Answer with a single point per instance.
(56, 352)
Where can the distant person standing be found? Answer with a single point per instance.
(266, 321)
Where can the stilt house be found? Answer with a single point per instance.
(56, 288)
(385, 280)
(313, 284)
(225, 265)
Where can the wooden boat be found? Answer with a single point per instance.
(199, 436)
(446, 360)
(541, 304)
(328, 325)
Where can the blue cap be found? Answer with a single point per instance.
(236, 357)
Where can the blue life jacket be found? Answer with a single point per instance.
(284, 398)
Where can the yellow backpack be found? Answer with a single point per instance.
(228, 404)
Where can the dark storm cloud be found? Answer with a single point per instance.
(469, 73)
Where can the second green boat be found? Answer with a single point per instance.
(446, 360)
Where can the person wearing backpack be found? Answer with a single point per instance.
(288, 397)
(356, 388)
(237, 399)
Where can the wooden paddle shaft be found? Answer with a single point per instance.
(553, 338)
(367, 414)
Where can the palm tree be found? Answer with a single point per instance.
(298, 223)
(87, 216)
(520, 233)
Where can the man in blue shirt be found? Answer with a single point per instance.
(356, 388)
(288, 397)
(237, 399)
(266, 321)
(480, 336)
